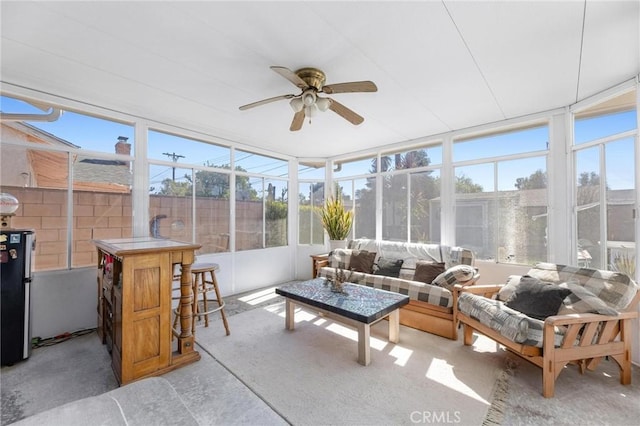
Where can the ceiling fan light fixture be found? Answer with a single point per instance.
(310, 111)
(323, 104)
(296, 104)
(309, 98)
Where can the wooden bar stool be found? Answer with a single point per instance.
(201, 286)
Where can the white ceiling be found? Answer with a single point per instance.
(439, 66)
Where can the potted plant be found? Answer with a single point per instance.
(336, 220)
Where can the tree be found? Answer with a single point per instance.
(209, 184)
(179, 189)
(465, 185)
(537, 180)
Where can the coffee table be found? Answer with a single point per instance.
(359, 307)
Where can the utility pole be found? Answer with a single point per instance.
(175, 157)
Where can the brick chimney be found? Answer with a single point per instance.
(122, 146)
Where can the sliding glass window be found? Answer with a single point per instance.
(189, 191)
(262, 201)
(501, 202)
(311, 197)
(606, 143)
(72, 177)
(410, 195)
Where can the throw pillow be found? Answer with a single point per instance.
(581, 300)
(362, 261)
(459, 274)
(427, 271)
(388, 267)
(537, 299)
(512, 283)
(340, 258)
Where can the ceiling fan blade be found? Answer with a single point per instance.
(345, 112)
(291, 76)
(298, 119)
(354, 86)
(265, 101)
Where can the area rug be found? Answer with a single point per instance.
(593, 398)
(311, 376)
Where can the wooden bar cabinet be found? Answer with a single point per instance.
(135, 278)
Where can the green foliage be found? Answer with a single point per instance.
(465, 185)
(536, 180)
(335, 218)
(180, 188)
(276, 210)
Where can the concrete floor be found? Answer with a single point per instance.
(81, 367)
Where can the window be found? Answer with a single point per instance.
(102, 203)
(276, 212)
(171, 203)
(259, 164)
(424, 213)
(407, 211)
(77, 157)
(189, 191)
(311, 196)
(501, 144)
(605, 189)
(501, 205)
(178, 149)
(359, 195)
(414, 158)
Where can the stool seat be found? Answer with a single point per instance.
(197, 268)
(201, 286)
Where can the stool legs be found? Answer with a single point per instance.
(220, 303)
(202, 286)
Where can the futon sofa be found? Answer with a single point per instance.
(424, 272)
(555, 315)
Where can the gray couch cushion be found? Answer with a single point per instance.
(510, 323)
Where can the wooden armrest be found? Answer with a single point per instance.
(486, 290)
(558, 320)
(322, 263)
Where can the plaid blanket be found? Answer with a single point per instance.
(432, 294)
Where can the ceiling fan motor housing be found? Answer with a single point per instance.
(313, 77)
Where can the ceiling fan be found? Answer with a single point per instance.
(311, 83)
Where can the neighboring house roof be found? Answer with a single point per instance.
(36, 135)
(101, 171)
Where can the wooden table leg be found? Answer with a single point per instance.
(289, 315)
(364, 350)
(186, 339)
(394, 326)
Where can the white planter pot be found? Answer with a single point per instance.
(337, 244)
